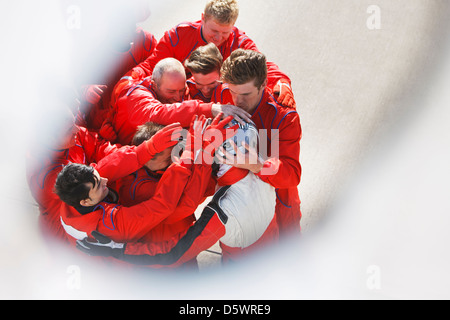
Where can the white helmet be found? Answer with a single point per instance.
(247, 133)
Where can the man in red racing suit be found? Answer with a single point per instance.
(280, 166)
(241, 214)
(77, 145)
(216, 26)
(142, 101)
(142, 184)
(99, 211)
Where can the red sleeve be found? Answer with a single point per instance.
(123, 162)
(274, 74)
(95, 148)
(194, 195)
(132, 223)
(143, 107)
(284, 171)
(113, 161)
(171, 254)
(145, 47)
(243, 41)
(136, 188)
(142, 70)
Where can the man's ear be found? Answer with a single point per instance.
(264, 85)
(85, 202)
(154, 86)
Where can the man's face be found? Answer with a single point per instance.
(97, 192)
(215, 32)
(206, 83)
(161, 161)
(246, 96)
(171, 88)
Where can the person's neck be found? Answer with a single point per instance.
(112, 197)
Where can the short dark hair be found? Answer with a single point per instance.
(71, 183)
(243, 66)
(205, 59)
(145, 132)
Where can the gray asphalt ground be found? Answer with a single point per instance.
(375, 155)
(349, 80)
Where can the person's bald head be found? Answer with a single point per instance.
(169, 80)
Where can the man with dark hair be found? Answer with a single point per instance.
(241, 213)
(245, 66)
(204, 63)
(245, 76)
(258, 197)
(90, 205)
(75, 183)
(204, 60)
(142, 184)
(59, 141)
(89, 208)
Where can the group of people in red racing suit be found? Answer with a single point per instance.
(200, 114)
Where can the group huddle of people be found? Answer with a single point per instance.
(199, 114)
